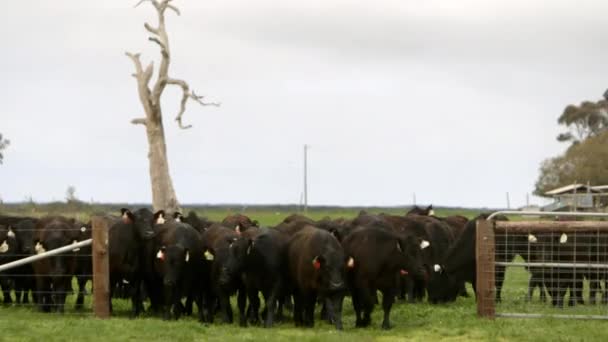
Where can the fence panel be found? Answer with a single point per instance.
(543, 268)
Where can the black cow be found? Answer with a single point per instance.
(84, 262)
(54, 274)
(8, 253)
(179, 262)
(316, 267)
(459, 264)
(376, 257)
(583, 247)
(131, 255)
(217, 241)
(24, 275)
(258, 258)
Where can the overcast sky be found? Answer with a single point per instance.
(456, 101)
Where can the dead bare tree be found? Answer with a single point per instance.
(163, 193)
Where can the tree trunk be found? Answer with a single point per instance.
(163, 194)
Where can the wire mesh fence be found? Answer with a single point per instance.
(543, 268)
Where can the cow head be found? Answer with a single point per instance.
(143, 220)
(171, 262)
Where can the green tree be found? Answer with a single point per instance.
(583, 121)
(586, 161)
(3, 145)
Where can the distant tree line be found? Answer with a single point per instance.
(586, 157)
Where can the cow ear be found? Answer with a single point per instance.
(187, 258)
(127, 216)
(255, 223)
(159, 217)
(178, 216)
(237, 229)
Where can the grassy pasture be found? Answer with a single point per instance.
(417, 322)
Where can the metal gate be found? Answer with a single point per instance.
(542, 268)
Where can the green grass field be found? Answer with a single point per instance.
(417, 322)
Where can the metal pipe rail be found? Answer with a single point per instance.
(551, 264)
(44, 255)
(545, 213)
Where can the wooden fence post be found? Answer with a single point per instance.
(484, 253)
(101, 268)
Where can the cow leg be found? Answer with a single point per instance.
(499, 278)
(82, 282)
(367, 304)
(309, 309)
(6, 290)
(136, 301)
(270, 297)
(298, 309)
(387, 303)
(254, 305)
(593, 289)
(531, 285)
(225, 308)
(242, 304)
(357, 307)
(334, 308)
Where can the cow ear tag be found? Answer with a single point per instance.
(10, 234)
(350, 263)
(160, 255)
(187, 256)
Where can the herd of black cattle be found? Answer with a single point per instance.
(177, 261)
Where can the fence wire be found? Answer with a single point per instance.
(57, 283)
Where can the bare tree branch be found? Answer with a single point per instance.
(161, 44)
(136, 61)
(154, 2)
(151, 29)
(140, 121)
(175, 9)
(185, 96)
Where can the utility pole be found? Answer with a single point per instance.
(508, 201)
(306, 179)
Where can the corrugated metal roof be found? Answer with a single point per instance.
(567, 188)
